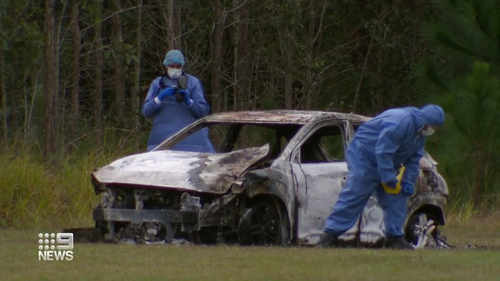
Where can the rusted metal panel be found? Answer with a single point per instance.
(202, 172)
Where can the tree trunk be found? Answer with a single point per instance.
(479, 175)
(170, 17)
(177, 28)
(288, 84)
(75, 101)
(241, 66)
(98, 106)
(236, 60)
(119, 66)
(14, 120)
(361, 76)
(216, 54)
(289, 63)
(3, 93)
(51, 78)
(308, 87)
(135, 96)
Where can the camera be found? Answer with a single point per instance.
(181, 84)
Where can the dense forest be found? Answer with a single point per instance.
(74, 73)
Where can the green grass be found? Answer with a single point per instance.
(37, 193)
(19, 261)
(481, 230)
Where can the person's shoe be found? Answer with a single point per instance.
(397, 243)
(327, 240)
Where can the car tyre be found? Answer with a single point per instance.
(422, 232)
(264, 224)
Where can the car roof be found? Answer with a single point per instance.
(299, 117)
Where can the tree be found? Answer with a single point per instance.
(3, 93)
(216, 47)
(75, 97)
(119, 65)
(98, 69)
(172, 15)
(51, 77)
(241, 67)
(468, 33)
(475, 108)
(135, 95)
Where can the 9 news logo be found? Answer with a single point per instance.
(55, 246)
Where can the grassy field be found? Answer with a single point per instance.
(19, 260)
(482, 231)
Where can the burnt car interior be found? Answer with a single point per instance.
(239, 136)
(325, 145)
(227, 137)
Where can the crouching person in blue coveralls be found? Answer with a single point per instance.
(173, 108)
(381, 146)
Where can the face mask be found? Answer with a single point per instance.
(429, 131)
(174, 73)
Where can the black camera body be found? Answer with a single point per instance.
(181, 84)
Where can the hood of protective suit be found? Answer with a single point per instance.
(181, 170)
(433, 115)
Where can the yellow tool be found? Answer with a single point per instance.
(399, 177)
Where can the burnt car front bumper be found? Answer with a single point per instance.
(189, 220)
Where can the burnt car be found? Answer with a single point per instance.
(273, 181)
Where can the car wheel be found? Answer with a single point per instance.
(422, 232)
(264, 224)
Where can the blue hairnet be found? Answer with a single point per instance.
(433, 114)
(174, 57)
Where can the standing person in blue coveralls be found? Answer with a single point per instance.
(170, 115)
(393, 139)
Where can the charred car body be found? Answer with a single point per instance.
(274, 181)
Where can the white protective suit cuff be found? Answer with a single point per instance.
(157, 100)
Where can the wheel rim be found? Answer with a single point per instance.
(265, 226)
(423, 232)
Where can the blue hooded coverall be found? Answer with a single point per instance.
(374, 156)
(171, 116)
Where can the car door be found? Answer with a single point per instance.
(320, 172)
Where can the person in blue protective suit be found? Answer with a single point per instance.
(171, 113)
(382, 145)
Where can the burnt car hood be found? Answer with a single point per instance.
(190, 171)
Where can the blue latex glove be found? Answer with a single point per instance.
(167, 92)
(187, 99)
(408, 189)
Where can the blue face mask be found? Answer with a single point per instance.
(174, 73)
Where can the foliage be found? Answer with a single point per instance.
(37, 194)
(467, 33)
